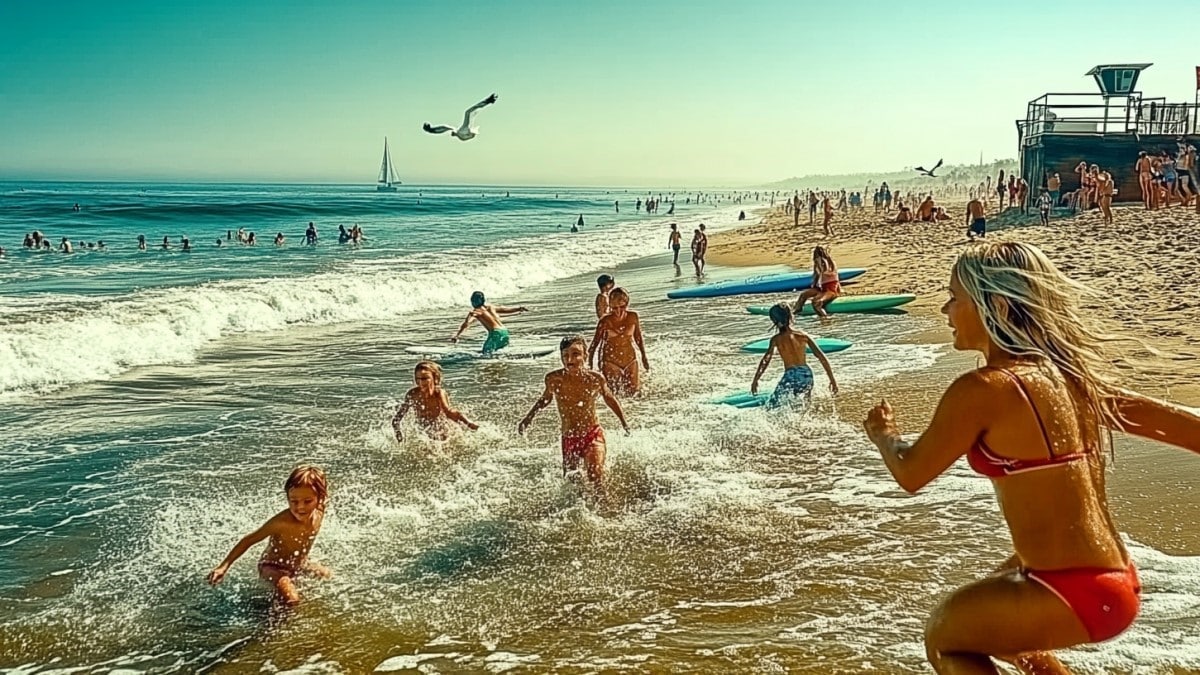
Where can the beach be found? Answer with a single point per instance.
(182, 389)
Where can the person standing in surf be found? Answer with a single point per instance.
(1034, 420)
(792, 345)
(699, 249)
(617, 334)
(574, 387)
(431, 403)
(488, 316)
(673, 243)
(606, 284)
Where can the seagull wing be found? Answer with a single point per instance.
(440, 129)
(936, 166)
(470, 113)
(921, 169)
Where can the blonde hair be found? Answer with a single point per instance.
(1030, 308)
(309, 476)
(433, 368)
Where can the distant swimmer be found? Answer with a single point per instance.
(606, 284)
(343, 235)
(219, 242)
(186, 243)
(76, 209)
(465, 132)
(251, 240)
(166, 243)
(574, 228)
(488, 316)
(617, 335)
(617, 206)
(579, 223)
(65, 246)
(574, 387)
(741, 215)
(290, 534)
(929, 172)
(141, 242)
(310, 234)
(431, 404)
(797, 380)
(279, 239)
(673, 243)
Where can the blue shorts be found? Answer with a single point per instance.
(796, 381)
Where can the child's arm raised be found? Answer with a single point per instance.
(612, 402)
(762, 367)
(816, 350)
(400, 413)
(455, 415)
(542, 402)
(500, 309)
(239, 549)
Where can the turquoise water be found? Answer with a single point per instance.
(153, 403)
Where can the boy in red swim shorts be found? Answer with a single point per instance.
(575, 388)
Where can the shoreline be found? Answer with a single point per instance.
(1144, 257)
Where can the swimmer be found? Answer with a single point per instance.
(617, 333)
(219, 243)
(166, 243)
(430, 402)
(1034, 419)
(279, 239)
(606, 284)
(488, 316)
(291, 533)
(65, 246)
(574, 388)
(186, 243)
(826, 285)
(791, 344)
(251, 240)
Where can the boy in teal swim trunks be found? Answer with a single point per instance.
(488, 316)
(791, 344)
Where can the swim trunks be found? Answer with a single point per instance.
(796, 381)
(575, 448)
(979, 226)
(284, 570)
(496, 340)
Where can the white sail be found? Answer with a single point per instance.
(387, 173)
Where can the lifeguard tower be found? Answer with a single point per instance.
(1109, 128)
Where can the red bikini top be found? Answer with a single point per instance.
(987, 463)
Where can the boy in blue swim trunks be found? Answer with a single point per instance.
(791, 344)
(488, 316)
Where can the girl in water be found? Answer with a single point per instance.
(1033, 420)
(825, 284)
(431, 404)
(291, 533)
(791, 344)
(617, 334)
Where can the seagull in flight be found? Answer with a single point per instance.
(929, 172)
(466, 132)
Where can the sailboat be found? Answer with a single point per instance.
(387, 173)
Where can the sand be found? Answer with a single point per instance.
(1144, 264)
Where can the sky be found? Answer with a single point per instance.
(660, 93)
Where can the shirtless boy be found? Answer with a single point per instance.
(673, 242)
(699, 249)
(976, 221)
(606, 284)
(574, 387)
(488, 316)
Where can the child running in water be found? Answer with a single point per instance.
(797, 377)
(606, 284)
(488, 316)
(431, 404)
(291, 534)
(575, 388)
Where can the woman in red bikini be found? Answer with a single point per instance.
(1034, 421)
(825, 285)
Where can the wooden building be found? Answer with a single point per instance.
(1061, 130)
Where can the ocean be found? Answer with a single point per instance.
(153, 403)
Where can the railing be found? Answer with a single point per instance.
(1094, 114)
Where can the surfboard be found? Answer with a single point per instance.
(827, 345)
(443, 354)
(767, 283)
(743, 399)
(849, 303)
